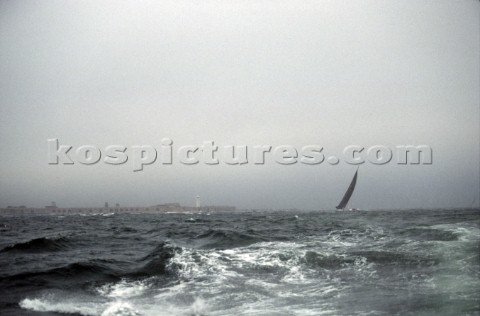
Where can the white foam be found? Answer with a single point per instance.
(182, 305)
(177, 300)
(123, 289)
(466, 231)
(66, 307)
(120, 309)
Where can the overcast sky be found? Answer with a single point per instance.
(332, 73)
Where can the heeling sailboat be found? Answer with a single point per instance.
(343, 203)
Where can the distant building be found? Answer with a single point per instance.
(197, 201)
(167, 207)
(156, 209)
(53, 205)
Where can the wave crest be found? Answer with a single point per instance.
(41, 244)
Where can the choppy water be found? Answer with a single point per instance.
(283, 263)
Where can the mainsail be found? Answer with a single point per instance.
(349, 193)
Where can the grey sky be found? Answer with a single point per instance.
(332, 73)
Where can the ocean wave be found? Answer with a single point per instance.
(124, 229)
(93, 270)
(42, 244)
(316, 260)
(290, 260)
(463, 231)
(156, 261)
(396, 258)
(223, 239)
(153, 264)
(430, 234)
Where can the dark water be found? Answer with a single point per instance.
(283, 263)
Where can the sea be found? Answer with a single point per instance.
(395, 262)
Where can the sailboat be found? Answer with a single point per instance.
(343, 203)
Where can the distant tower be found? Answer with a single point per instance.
(197, 200)
(117, 204)
(54, 205)
(106, 204)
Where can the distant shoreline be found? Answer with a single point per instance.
(187, 210)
